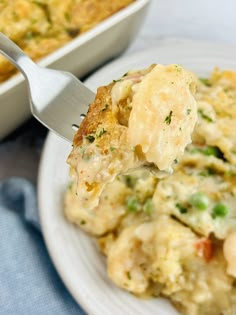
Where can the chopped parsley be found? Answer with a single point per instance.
(205, 81)
(73, 31)
(208, 171)
(182, 208)
(148, 207)
(29, 35)
(106, 106)
(209, 151)
(178, 68)
(70, 186)
(45, 8)
(82, 150)
(130, 181)
(204, 116)
(83, 222)
(101, 132)
(189, 111)
(129, 275)
(112, 149)
(90, 138)
(168, 118)
(68, 16)
(215, 151)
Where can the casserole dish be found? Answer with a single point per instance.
(81, 55)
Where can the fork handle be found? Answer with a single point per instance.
(16, 56)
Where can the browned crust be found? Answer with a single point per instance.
(99, 116)
(99, 113)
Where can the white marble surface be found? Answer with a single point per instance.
(197, 19)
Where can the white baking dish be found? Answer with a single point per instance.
(79, 56)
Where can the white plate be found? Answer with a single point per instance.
(75, 254)
(79, 56)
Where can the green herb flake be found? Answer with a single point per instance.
(168, 118)
(189, 111)
(203, 173)
(73, 31)
(230, 173)
(114, 81)
(182, 209)
(68, 16)
(34, 21)
(178, 68)
(106, 107)
(214, 151)
(70, 185)
(112, 149)
(129, 275)
(209, 151)
(83, 222)
(130, 181)
(82, 150)
(101, 132)
(204, 116)
(205, 81)
(90, 138)
(29, 35)
(148, 207)
(208, 172)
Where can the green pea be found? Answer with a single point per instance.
(132, 204)
(219, 210)
(199, 201)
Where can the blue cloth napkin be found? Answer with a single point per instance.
(29, 284)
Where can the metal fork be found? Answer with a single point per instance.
(57, 99)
